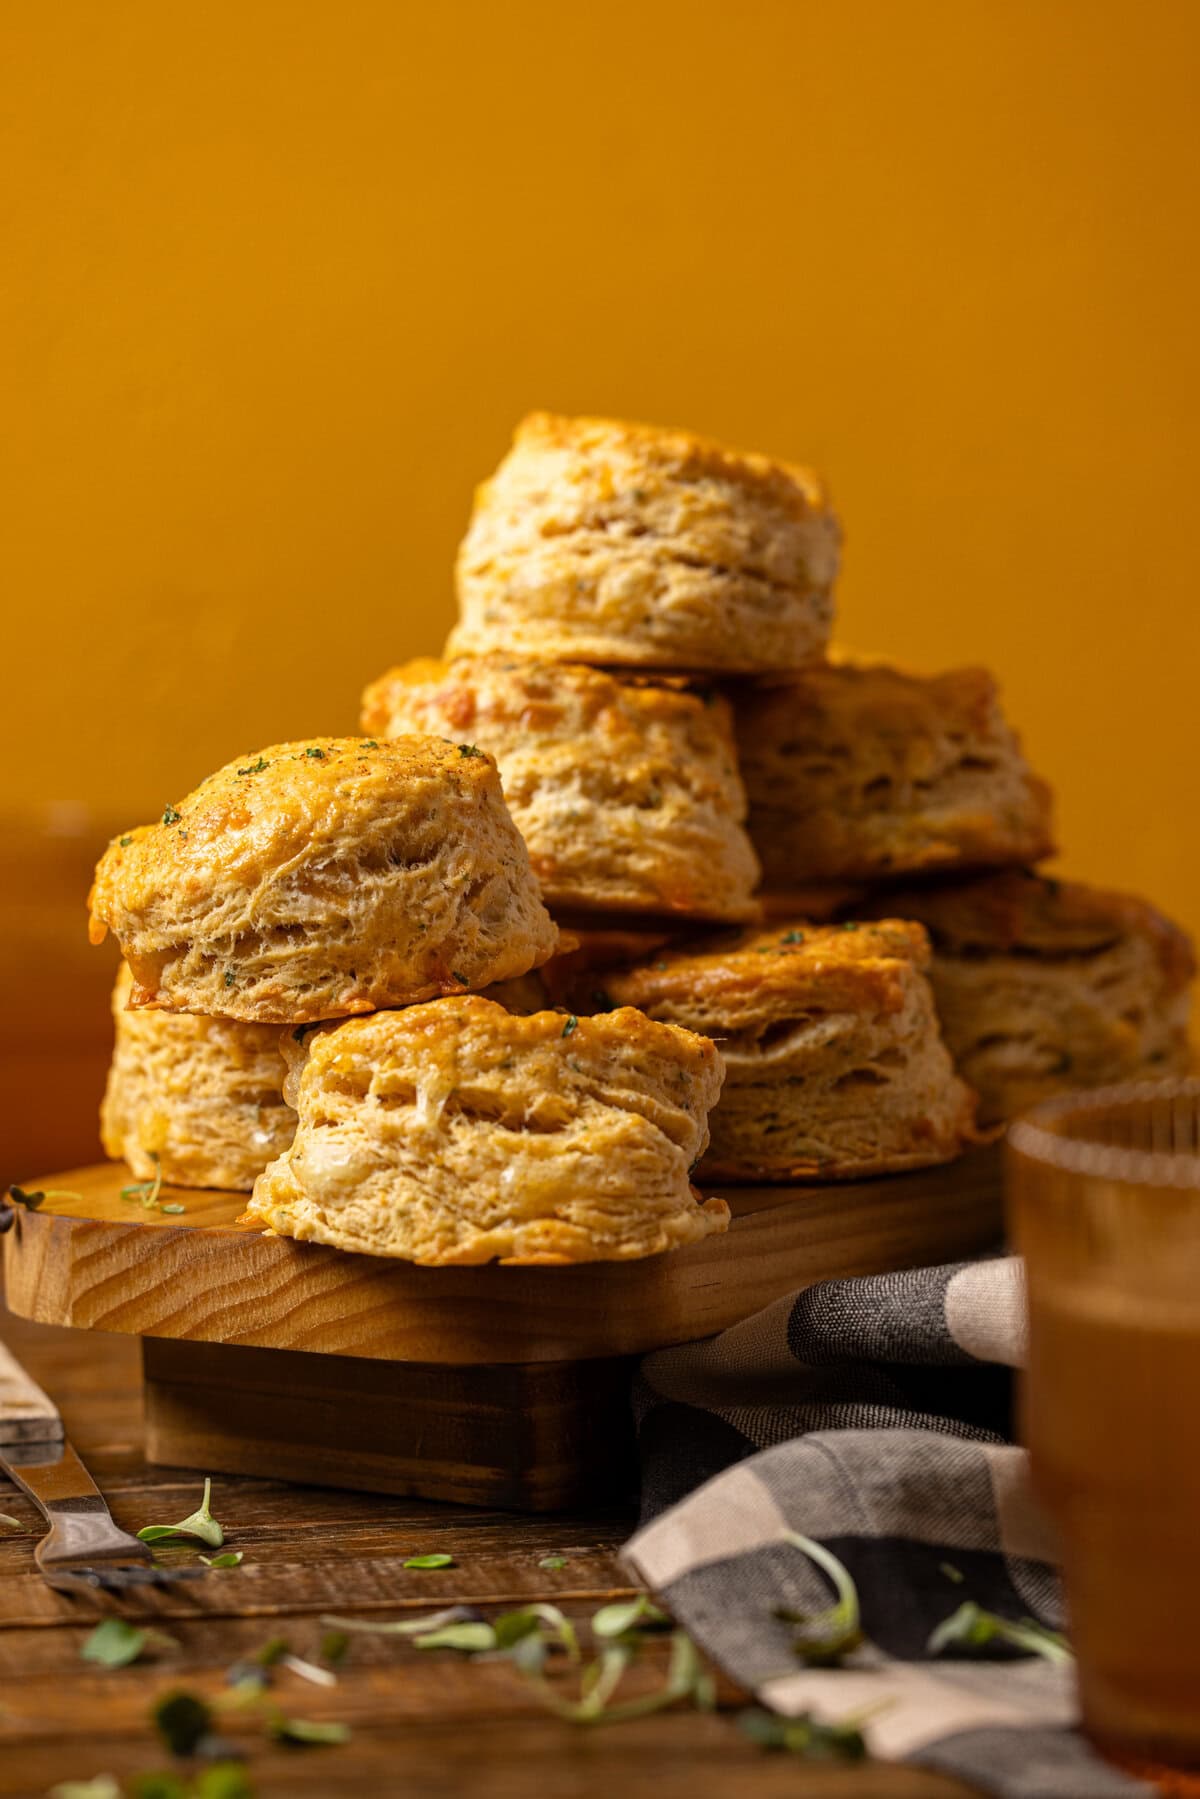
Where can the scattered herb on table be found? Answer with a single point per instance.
(146, 1192)
(307, 1733)
(430, 1561)
(231, 1557)
(467, 1639)
(628, 1615)
(952, 1573)
(334, 1645)
(971, 1628)
(31, 1201)
(403, 1627)
(176, 1209)
(826, 1636)
(199, 1523)
(553, 1562)
(13, 1523)
(182, 1720)
(803, 1736)
(115, 1643)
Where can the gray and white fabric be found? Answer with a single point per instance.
(871, 1415)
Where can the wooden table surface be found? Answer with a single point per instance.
(422, 1722)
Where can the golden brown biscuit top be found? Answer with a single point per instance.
(847, 966)
(1020, 913)
(895, 704)
(252, 816)
(468, 1035)
(543, 698)
(672, 454)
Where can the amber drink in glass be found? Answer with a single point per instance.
(1104, 1195)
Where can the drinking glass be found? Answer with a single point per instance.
(1104, 1200)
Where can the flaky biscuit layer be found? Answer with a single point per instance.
(1046, 985)
(197, 1100)
(862, 772)
(315, 879)
(456, 1132)
(625, 791)
(835, 1065)
(600, 541)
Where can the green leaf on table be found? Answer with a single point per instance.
(6, 1518)
(829, 1635)
(115, 1643)
(146, 1192)
(334, 1645)
(553, 1562)
(101, 1786)
(537, 1619)
(804, 1737)
(320, 1677)
(686, 1677)
(224, 1780)
(430, 1561)
(628, 1614)
(467, 1639)
(970, 1629)
(182, 1720)
(403, 1627)
(272, 1651)
(161, 1784)
(307, 1733)
(230, 1559)
(199, 1523)
(31, 1201)
(172, 1208)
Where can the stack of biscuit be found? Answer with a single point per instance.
(640, 876)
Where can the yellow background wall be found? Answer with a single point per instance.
(279, 277)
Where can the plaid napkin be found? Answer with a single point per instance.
(873, 1416)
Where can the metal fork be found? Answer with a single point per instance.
(83, 1547)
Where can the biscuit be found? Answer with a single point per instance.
(861, 772)
(312, 880)
(835, 1067)
(598, 541)
(455, 1132)
(626, 792)
(1044, 985)
(197, 1100)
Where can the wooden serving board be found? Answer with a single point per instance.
(488, 1384)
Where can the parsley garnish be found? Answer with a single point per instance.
(256, 768)
(171, 817)
(971, 1628)
(124, 842)
(469, 749)
(182, 1721)
(369, 743)
(850, 926)
(804, 1736)
(792, 937)
(199, 1523)
(230, 977)
(460, 978)
(318, 755)
(115, 1643)
(827, 1636)
(572, 1024)
(146, 1192)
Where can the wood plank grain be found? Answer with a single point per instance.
(102, 1263)
(435, 1726)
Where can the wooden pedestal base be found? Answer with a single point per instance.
(529, 1437)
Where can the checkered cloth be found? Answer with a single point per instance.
(871, 1415)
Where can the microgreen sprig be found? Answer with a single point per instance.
(829, 1635)
(199, 1523)
(971, 1628)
